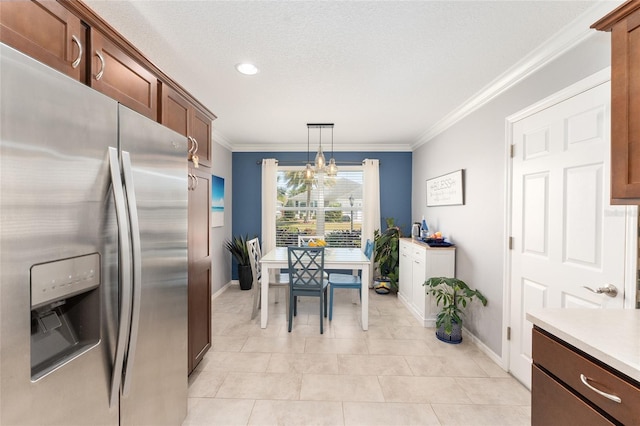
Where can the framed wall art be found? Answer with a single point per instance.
(446, 190)
(217, 201)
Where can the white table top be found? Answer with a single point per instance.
(609, 335)
(342, 256)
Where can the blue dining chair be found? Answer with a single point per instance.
(306, 278)
(347, 281)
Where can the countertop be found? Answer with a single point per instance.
(425, 245)
(609, 335)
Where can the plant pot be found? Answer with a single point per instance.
(455, 336)
(245, 277)
(382, 285)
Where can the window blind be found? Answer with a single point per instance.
(327, 206)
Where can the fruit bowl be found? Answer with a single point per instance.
(433, 240)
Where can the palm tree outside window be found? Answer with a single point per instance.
(328, 206)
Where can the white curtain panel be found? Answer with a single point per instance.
(269, 197)
(370, 203)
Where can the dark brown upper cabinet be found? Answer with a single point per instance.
(117, 75)
(624, 25)
(185, 118)
(46, 31)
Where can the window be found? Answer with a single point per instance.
(327, 206)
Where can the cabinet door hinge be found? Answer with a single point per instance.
(512, 149)
(510, 243)
(508, 333)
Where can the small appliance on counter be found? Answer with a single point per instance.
(415, 230)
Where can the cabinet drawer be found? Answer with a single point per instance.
(405, 247)
(568, 366)
(553, 404)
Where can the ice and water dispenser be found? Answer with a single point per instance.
(65, 311)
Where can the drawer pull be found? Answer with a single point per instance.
(613, 398)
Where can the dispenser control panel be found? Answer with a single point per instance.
(64, 278)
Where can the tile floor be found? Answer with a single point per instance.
(396, 373)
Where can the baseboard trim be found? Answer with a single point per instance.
(484, 348)
(224, 288)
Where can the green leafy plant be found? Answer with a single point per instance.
(238, 248)
(454, 295)
(386, 253)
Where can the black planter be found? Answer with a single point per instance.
(455, 336)
(245, 277)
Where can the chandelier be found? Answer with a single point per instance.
(320, 163)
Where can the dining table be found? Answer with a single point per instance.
(351, 258)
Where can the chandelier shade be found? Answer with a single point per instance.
(332, 169)
(308, 171)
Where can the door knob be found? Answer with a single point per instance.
(609, 289)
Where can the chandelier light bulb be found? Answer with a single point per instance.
(320, 162)
(332, 169)
(308, 172)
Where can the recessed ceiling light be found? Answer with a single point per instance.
(247, 69)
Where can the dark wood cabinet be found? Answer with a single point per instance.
(567, 382)
(117, 75)
(624, 25)
(46, 31)
(182, 116)
(199, 242)
(554, 404)
(185, 118)
(200, 126)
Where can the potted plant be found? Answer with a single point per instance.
(454, 294)
(238, 248)
(387, 258)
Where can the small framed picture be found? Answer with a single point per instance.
(217, 201)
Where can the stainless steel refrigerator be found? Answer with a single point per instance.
(93, 256)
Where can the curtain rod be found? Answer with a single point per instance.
(303, 163)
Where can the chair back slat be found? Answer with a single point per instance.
(306, 267)
(368, 249)
(253, 247)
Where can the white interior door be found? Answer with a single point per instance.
(565, 233)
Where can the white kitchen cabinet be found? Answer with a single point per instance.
(419, 262)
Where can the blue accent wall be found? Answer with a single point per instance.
(395, 187)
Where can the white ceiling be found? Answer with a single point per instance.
(389, 74)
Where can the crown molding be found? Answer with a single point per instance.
(573, 34)
(220, 139)
(353, 147)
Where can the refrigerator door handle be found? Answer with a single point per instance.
(125, 276)
(137, 270)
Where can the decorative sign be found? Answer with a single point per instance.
(446, 190)
(217, 201)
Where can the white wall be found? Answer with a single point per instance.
(477, 145)
(220, 257)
